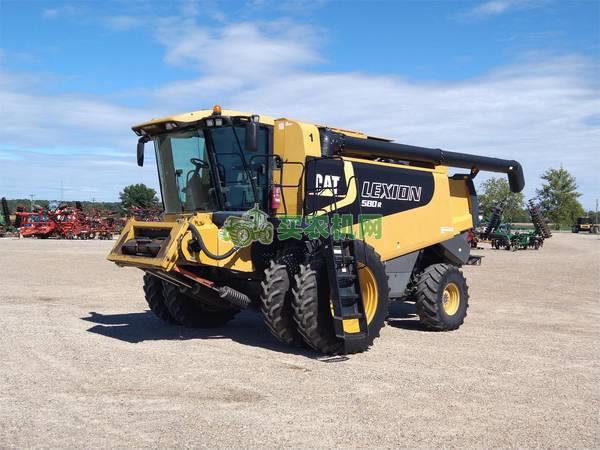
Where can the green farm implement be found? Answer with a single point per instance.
(509, 239)
(502, 235)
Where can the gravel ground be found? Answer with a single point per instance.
(84, 364)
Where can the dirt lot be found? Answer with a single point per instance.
(84, 364)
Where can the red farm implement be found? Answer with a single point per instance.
(65, 222)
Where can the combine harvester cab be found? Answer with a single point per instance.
(316, 227)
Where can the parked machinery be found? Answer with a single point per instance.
(65, 222)
(542, 230)
(5, 222)
(585, 224)
(145, 214)
(502, 235)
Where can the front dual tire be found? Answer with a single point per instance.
(296, 301)
(170, 305)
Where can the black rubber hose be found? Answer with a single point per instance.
(200, 242)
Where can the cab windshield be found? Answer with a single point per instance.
(208, 170)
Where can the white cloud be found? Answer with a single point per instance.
(497, 7)
(542, 111)
(241, 50)
(50, 13)
(83, 176)
(62, 11)
(73, 138)
(123, 23)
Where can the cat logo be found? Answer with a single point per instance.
(326, 185)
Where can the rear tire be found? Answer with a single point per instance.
(153, 290)
(442, 297)
(191, 312)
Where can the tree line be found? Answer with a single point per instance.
(558, 199)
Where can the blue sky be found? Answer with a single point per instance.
(508, 78)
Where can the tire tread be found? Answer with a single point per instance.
(428, 305)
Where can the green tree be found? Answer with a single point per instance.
(497, 190)
(138, 195)
(559, 197)
(594, 215)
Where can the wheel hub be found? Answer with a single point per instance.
(451, 299)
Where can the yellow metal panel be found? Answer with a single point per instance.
(214, 242)
(293, 142)
(177, 247)
(165, 259)
(460, 207)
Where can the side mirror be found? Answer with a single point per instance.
(140, 151)
(251, 141)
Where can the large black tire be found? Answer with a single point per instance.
(192, 312)
(277, 298)
(153, 290)
(312, 307)
(432, 285)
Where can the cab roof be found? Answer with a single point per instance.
(266, 120)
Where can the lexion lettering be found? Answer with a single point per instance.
(390, 191)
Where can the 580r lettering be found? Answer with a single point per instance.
(370, 204)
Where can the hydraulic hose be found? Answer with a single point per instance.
(202, 247)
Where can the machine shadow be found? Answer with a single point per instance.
(404, 315)
(247, 329)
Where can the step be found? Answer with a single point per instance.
(340, 259)
(346, 280)
(350, 316)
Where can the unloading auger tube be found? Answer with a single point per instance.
(333, 143)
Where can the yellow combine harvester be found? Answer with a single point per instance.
(317, 227)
